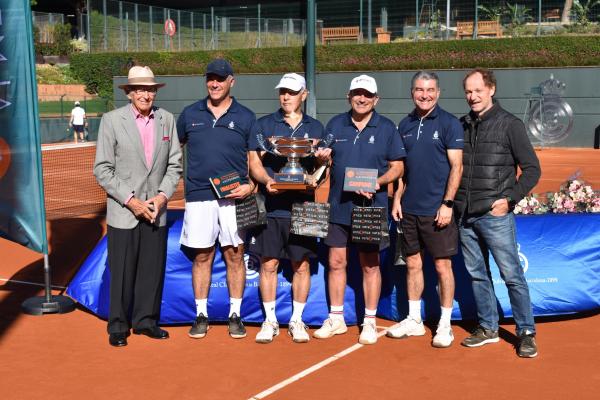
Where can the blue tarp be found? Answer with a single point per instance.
(559, 253)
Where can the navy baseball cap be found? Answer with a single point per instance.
(219, 67)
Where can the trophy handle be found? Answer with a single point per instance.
(266, 147)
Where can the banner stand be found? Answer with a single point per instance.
(48, 304)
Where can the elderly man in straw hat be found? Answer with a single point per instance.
(138, 164)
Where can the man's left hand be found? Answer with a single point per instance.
(323, 155)
(443, 216)
(368, 195)
(241, 191)
(500, 208)
(156, 204)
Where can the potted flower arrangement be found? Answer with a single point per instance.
(573, 196)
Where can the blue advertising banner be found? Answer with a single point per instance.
(22, 214)
(560, 255)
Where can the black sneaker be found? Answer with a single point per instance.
(236, 328)
(481, 336)
(527, 347)
(200, 327)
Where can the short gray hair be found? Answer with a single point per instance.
(426, 75)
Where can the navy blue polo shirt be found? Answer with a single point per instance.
(373, 147)
(214, 146)
(280, 205)
(426, 166)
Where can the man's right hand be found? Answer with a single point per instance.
(140, 209)
(396, 210)
(269, 186)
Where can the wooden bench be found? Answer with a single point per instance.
(340, 33)
(552, 15)
(489, 28)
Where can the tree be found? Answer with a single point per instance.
(581, 10)
(566, 14)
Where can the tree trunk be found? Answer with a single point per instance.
(566, 14)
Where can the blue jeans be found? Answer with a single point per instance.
(480, 235)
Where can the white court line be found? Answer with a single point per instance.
(67, 145)
(316, 367)
(31, 283)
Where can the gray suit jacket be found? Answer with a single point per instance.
(120, 166)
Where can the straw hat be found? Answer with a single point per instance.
(141, 76)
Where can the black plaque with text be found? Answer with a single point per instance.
(310, 219)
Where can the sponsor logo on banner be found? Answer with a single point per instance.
(252, 264)
(522, 259)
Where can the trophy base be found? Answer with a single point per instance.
(293, 186)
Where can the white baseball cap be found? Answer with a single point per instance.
(364, 82)
(292, 81)
(77, 103)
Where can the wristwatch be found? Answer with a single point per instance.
(448, 203)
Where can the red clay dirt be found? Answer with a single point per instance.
(68, 356)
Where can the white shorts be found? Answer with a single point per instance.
(205, 221)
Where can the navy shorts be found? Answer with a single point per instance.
(421, 232)
(78, 128)
(275, 241)
(339, 236)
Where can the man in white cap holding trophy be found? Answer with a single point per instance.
(138, 164)
(274, 241)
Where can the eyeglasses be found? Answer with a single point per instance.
(150, 90)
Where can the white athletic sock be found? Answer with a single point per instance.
(337, 312)
(234, 306)
(201, 307)
(414, 309)
(446, 314)
(370, 316)
(297, 310)
(270, 311)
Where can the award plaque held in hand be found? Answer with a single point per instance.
(293, 176)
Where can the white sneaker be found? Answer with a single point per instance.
(331, 327)
(267, 332)
(407, 327)
(443, 336)
(298, 331)
(368, 334)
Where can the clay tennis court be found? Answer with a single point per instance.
(68, 356)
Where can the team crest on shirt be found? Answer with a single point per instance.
(306, 135)
(436, 135)
(372, 139)
(231, 125)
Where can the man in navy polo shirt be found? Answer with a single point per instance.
(363, 139)
(274, 241)
(433, 139)
(216, 131)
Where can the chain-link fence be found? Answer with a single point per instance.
(123, 26)
(44, 22)
(111, 25)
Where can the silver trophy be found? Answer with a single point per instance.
(293, 175)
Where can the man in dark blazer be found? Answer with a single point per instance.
(138, 164)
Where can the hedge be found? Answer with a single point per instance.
(97, 70)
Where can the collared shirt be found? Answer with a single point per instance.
(373, 147)
(145, 127)
(215, 147)
(280, 205)
(427, 168)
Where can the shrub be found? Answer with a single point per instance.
(97, 70)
